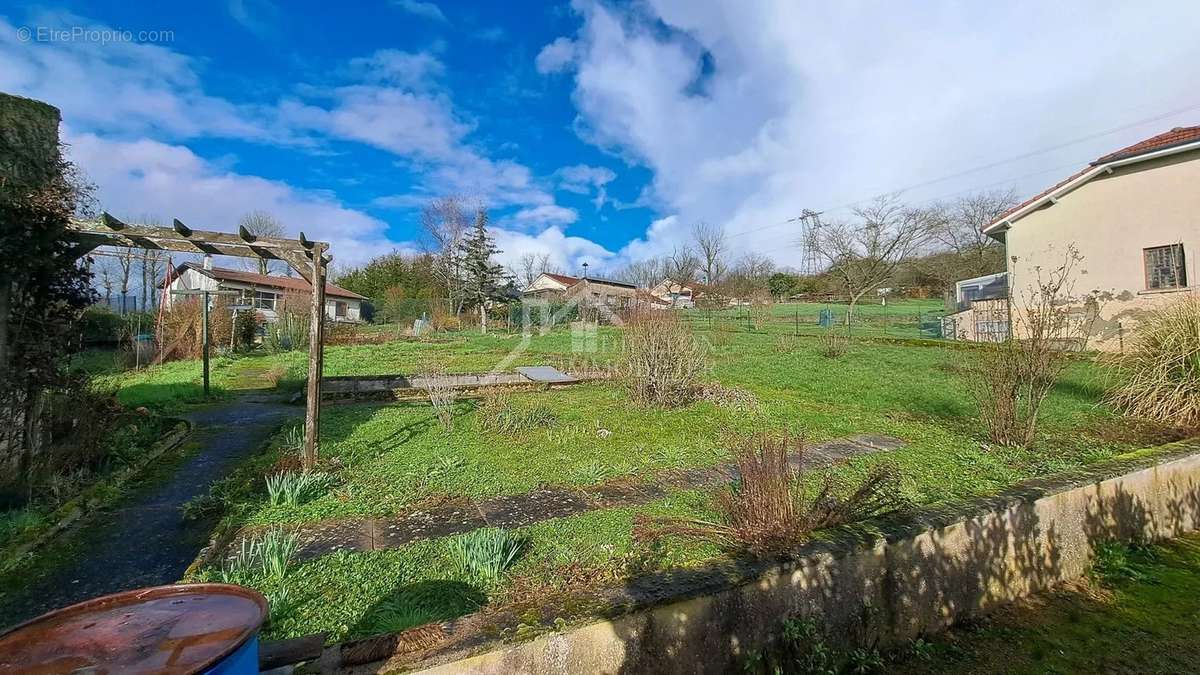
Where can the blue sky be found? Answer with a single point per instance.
(595, 131)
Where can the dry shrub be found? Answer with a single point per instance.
(833, 344)
(769, 509)
(1010, 380)
(786, 344)
(729, 397)
(498, 412)
(661, 360)
(760, 311)
(1161, 370)
(441, 395)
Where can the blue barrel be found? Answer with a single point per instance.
(186, 629)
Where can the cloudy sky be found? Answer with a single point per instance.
(595, 131)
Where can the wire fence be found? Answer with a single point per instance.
(806, 319)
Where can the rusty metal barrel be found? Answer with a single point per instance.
(185, 629)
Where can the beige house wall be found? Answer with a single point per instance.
(1110, 220)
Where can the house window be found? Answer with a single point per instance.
(1164, 267)
(339, 309)
(265, 300)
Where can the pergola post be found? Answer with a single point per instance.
(316, 358)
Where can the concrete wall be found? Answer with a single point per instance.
(913, 575)
(1110, 220)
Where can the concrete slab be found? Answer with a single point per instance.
(545, 374)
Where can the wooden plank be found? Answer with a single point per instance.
(288, 652)
(202, 236)
(316, 358)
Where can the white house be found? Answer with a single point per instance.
(266, 293)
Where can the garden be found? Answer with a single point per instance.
(384, 462)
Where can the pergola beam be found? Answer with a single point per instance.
(308, 258)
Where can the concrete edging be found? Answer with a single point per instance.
(81, 506)
(884, 582)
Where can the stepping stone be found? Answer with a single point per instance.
(532, 507)
(545, 374)
(622, 494)
(437, 522)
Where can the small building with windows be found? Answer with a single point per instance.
(1132, 217)
(268, 294)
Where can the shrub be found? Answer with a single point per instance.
(661, 361)
(290, 329)
(1010, 380)
(441, 394)
(295, 488)
(499, 413)
(245, 329)
(1161, 370)
(834, 344)
(486, 554)
(768, 510)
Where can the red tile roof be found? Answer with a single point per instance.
(284, 283)
(1176, 136)
(563, 279)
(1172, 138)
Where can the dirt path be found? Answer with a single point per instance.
(142, 540)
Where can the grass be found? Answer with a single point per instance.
(1137, 615)
(389, 459)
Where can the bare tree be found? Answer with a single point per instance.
(108, 280)
(262, 224)
(124, 258)
(864, 254)
(712, 247)
(957, 227)
(445, 221)
(681, 265)
(644, 273)
(530, 266)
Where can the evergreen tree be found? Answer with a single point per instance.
(483, 279)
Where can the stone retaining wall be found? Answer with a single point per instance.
(887, 582)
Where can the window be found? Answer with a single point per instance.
(1164, 267)
(265, 299)
(339, 309)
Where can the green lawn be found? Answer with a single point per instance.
(388, 459)
(1138, 616)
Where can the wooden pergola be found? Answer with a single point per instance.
(308, 258)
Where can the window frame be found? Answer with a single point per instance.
(1176, 252)
(260, 299)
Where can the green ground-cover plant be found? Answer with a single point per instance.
(293, 488)
(486, 554)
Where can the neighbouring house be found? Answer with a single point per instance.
(549, 286)
(266, 293)
(1133, 217)
(675, 293)
(978, 311)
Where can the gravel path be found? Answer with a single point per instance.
(143, 541)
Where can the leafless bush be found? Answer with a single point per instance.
(499, 412)
(769, 509)
(441, 394)
(729, 397)
(1011, 380)
(1160, 372)
(834, 344)
(661, 360)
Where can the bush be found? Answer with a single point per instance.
(499, 413)
(245, 329)
(290, 329)
(268, 557)
(661, 361)
(100, 325)
(768, 509)
(1010, 380)
(441, 394)
(1161, 370)
(834, 344)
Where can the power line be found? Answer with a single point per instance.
(984, 167)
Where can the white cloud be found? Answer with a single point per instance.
(556, 56)
(136, 178)
(583, 179)
(395, 67)
(546, 214)
(747, 116)
(257, 16)
(121, 87)
(425, 10)
(566, 252)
